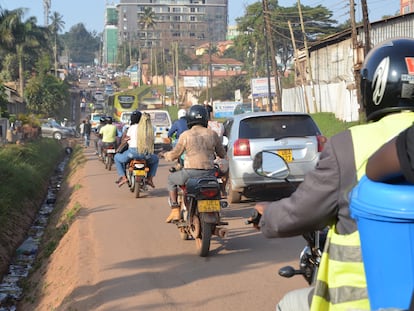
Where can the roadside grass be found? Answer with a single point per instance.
(24, 174)
(330, 125)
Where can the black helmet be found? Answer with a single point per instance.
(197, 115)
(135, 117)
(387, 77)
(108, 120)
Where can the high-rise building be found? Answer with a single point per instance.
(158, 23)
(406, 6)
(110, 36)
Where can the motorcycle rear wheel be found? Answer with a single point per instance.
(137, 187)
(203, 242)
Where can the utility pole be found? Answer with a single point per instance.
(307, 57)
(297, 66)
(211, 73)
(268, 38)
(367, 27)
(46, 10)
(355, 49)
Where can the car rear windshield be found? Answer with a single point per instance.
(278, 127)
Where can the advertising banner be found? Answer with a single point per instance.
(260, 87)
(196, 82)
(223, 109)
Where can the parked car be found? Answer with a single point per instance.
(294, 136)
(51, 129)
(245, 107)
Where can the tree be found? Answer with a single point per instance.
(80, 44)
(21, 36)
(318, 23)
(55, 27)
(46, 94)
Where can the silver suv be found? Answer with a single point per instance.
(294, 136)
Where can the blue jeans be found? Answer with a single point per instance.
(122, 158)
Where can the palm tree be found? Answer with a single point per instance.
(148, 20)
(19, 36)
(55, 27)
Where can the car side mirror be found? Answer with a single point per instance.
(270, 165)
(225, 141)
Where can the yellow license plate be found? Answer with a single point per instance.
(140, 173)
(209, 206)
(286, 154)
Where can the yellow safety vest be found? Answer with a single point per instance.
(341, 284)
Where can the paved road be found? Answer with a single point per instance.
(135, 261)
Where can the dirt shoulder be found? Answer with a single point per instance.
(54, 276)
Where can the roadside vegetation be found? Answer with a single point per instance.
(24, 173)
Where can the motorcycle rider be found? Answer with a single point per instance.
(322, 198)
(108, 133)
(200, 145)
(394, 159)
(179, 125)
(140, 138)
(97, 140)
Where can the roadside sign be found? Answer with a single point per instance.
(260, 87)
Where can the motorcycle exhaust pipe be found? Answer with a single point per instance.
(221, 232)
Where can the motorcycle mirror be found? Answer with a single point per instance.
(270, 165)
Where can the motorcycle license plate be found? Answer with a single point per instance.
(286, 154)
(208, 206)
(110, 151)
(139, 173)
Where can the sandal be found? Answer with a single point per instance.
(122, 180)
(150, 183)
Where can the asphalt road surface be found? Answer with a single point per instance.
(142, 264)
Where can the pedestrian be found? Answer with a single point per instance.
(82, 128)
(87, 128)
(209, 110)
(322, 199)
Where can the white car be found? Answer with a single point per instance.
(91, 83)
(161, 121)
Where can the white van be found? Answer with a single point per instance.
(161, 121)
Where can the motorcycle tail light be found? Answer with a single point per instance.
(209, 192)
(241, 147)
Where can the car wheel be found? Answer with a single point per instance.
(232, 196)
(57, 136)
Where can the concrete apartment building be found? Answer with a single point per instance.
(187, 22)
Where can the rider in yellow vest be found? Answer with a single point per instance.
(322, 198)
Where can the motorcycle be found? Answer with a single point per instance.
(137, 173)
(200, 203)
(108, 153)
(271, 165)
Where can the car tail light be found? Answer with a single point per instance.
(321, 142)
(209, 192)
(241, 147)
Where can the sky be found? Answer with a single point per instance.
(91, 12)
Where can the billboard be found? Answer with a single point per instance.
(196, 82)
(260, 87)
(224, 109)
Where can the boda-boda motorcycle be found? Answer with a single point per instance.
(137, 174)
(272, 165)
(200, 202)
(108, 153)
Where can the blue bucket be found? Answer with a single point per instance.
(385, 217)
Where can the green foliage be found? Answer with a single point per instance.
(81, 44)
(27, 169)
(330, 125)
(46, 94)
